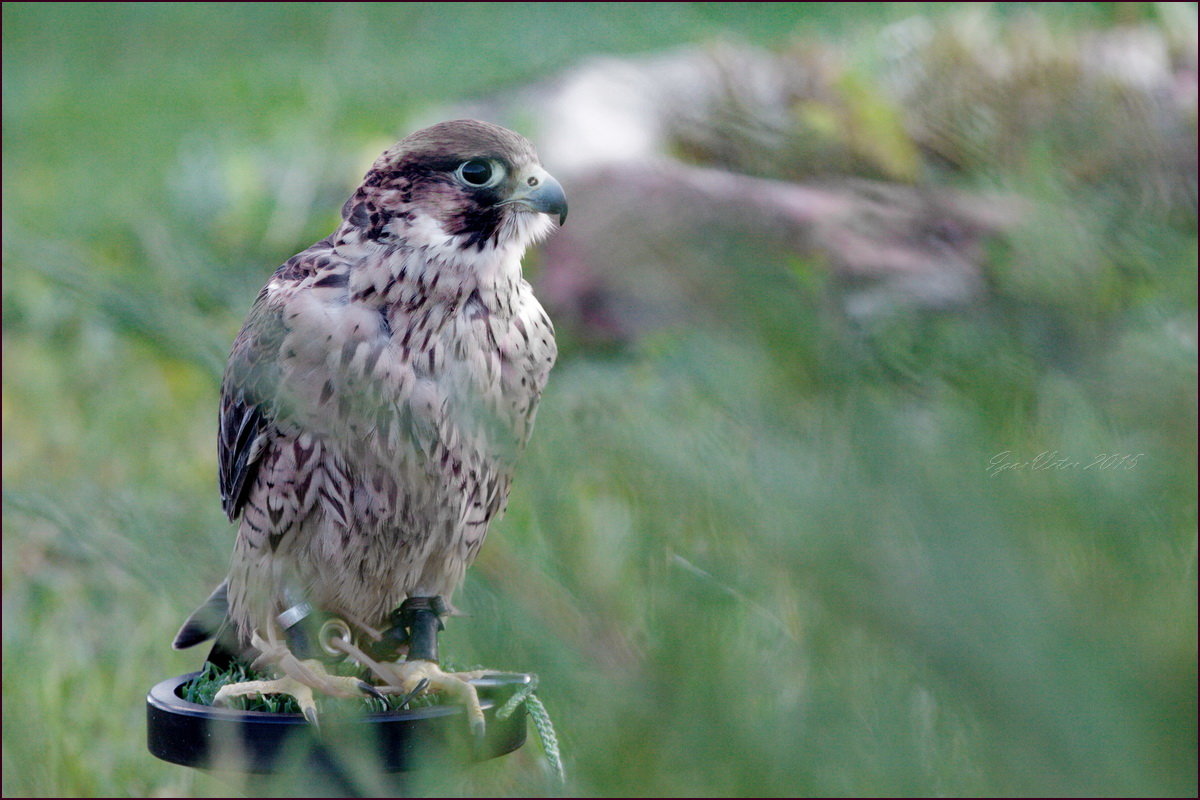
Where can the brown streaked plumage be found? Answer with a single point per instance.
(383, 385)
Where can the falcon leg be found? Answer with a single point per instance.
(299, 680)
(420, 618)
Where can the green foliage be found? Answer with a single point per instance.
(785, 553)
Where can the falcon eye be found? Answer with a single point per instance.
(478, 172)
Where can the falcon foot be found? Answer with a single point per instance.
(415, 677)
(300, 679)
(418, 621)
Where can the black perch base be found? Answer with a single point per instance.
(261, 742)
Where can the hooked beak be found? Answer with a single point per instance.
(540, 192)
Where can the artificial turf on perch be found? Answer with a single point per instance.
(205, 685)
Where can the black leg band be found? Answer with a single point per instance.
(422, 618)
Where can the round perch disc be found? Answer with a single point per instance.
(262, 742)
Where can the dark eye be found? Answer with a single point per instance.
(478, 172)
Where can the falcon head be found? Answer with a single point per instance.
(463, 185)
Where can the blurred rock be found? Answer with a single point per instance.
(657, 243)
(702, 177)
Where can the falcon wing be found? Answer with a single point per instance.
(248, 401)
(276, 403)
(249, 440)
(244, 428)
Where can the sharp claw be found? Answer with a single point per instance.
(479, 730)
(222, 698)
(310, 714)
(371, 690)
(422, 685)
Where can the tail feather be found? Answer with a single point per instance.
(206, 621)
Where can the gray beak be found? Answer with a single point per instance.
(540, 192)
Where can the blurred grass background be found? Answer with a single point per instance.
(760, 559)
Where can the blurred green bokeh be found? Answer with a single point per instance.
(768, 558)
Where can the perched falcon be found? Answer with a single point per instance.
(373, 408)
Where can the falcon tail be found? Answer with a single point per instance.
(206, 621)
(211, 621)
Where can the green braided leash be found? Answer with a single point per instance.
(541, 723)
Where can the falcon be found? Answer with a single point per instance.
(372, 411)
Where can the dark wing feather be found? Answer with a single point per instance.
(248, 401)
(242, 425)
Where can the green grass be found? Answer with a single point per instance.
(762, 556)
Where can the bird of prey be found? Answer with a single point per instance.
(372, 410)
